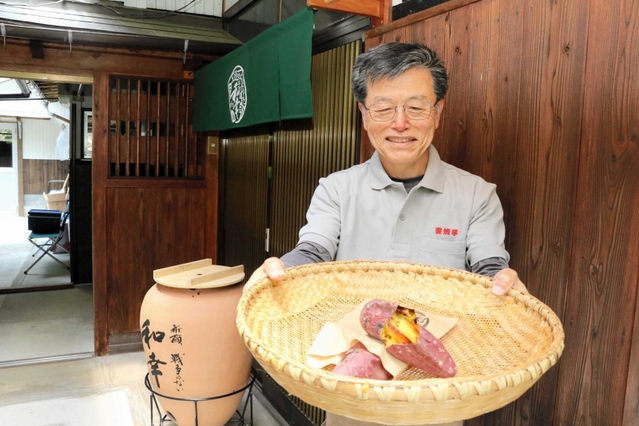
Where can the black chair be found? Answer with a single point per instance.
(46, 243)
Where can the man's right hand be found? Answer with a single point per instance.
(273, 268)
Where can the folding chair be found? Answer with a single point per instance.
(46, 243)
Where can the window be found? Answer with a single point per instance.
(6, 148)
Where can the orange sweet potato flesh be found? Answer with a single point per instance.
(403, 338)
(359, 362)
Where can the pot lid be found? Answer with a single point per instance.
(199, 274)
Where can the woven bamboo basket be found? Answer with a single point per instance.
(501, 344)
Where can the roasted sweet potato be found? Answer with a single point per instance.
(375, 314)
(359, 362)
(408, 341)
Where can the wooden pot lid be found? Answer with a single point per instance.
(199, 274)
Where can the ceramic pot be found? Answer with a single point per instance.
(192, 346)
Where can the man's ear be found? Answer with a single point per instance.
(362, 110)
(439, 108)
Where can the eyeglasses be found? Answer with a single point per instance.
(386, 111)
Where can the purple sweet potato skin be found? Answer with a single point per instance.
(359, 362)
(427, 354)
(375, 314)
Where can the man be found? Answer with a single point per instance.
(404, 203)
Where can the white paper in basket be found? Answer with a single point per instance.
(336, 338)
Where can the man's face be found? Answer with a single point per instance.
(402, 142)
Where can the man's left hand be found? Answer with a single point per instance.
(505, 280)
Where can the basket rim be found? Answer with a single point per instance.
(532, 371)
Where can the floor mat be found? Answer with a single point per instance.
(107, 409)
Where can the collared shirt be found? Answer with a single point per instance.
(452, 218)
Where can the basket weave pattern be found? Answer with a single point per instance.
(501, 344)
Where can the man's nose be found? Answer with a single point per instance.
(400, 121)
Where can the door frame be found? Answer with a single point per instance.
(14, 126)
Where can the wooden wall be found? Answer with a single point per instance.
(161, 227)
(37, 173)
(142, 224)
(544, 102)
(138, 226)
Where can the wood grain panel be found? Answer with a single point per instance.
(542, 104)
(148, 137)
(100, 164)
(150, 229)
(631, 404)
(132, 222)
(424, 15)
(478, 80)
(245, 196)
(36, 174)
(544, 262)
(603, 280)
(506, 58)
(451, 139)
(84, 60)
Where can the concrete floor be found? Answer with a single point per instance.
(49, 375)
(98, 391)
(16, 253)
(57, 323)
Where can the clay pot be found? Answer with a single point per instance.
(192, 346)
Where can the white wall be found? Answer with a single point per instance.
(229, 4)
(60, 108)
(39, 138)
(200, 7)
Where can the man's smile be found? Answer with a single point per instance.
(396, 139)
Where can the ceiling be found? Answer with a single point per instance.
(48, 89)
(19, 98)
(74, 22)
(110, 24)
(103, 23)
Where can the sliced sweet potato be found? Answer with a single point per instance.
(359, 362)
(405, 339)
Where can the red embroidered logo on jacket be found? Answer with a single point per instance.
(446, 231)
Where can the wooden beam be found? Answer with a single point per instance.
(78, 67)
(380, 11)
(39, 75)
(386, 14)
(37, 49)
(440, 9)
(59, 117)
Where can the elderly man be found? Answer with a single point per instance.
(405, 203)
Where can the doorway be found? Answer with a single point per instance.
(8, 168)
(46, 314)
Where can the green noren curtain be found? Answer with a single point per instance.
(267, 79)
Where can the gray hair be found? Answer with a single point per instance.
(390, 60)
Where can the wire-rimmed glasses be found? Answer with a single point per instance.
(386, 111)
